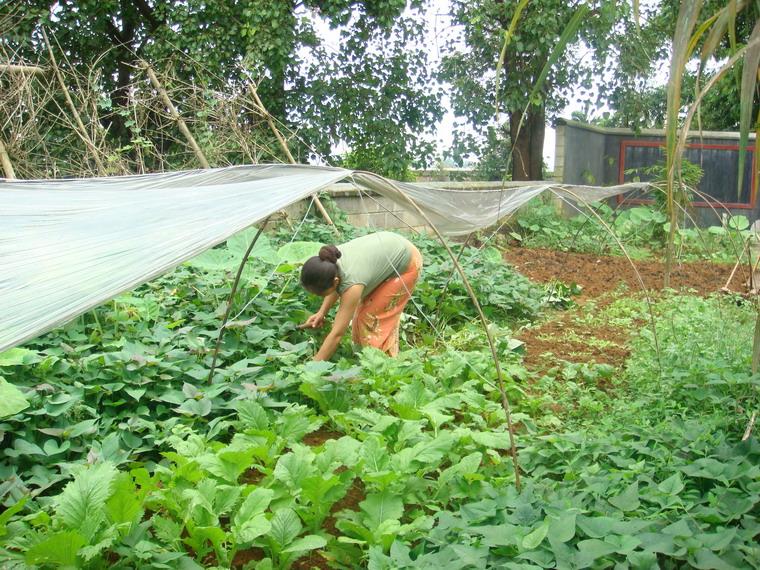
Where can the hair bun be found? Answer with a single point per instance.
(329, 253)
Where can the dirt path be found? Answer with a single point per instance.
(567, 336)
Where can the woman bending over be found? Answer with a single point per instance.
(373, 278)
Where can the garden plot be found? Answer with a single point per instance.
(588, 334)
(127, 456)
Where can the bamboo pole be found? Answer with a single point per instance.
(6, 163)
(232, 298)
(13, 68)
(284, 146)
(81, 130)
(750, 425)
(175, 114)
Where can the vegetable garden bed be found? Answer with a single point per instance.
(127, 457)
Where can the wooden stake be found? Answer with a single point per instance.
(5, 161)
(284, 146)
(175, 114)
(81, 130)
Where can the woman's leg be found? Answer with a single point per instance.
(377, 319)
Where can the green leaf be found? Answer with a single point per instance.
(380, 507)
(672, 485)
(194, 407)
(536, 537)
(255, 503)
(680, 528)
(298, 252)
(497, 535)
(375, 454)
(18, 357)
(492, 440)
(628, 500)
(23, 447)
(286, 526)
(599, 527)
(124, 506)
(8, 513)
(200, 535)
(253, 415)
(262, 250)
(251, 529)
(719, 540)
(228, 464)
(60, 549)
(491, 255)
(51, 447)
(81, 505)
(738, 222)
(12, 401)
(708, 560)
(593, 549)
(309, 542)
(292, 468)
(466, 466)
(562, 528)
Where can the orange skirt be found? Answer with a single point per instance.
(376, 321)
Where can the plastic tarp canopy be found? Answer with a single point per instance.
(459, 212)
(69, 245)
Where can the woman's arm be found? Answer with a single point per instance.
(327, 303)
(348, 303)
(316, 320)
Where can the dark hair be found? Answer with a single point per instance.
(319, 272)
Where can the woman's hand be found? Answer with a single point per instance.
(348, 303)
(313, 322)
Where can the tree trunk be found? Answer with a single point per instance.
(527, 144)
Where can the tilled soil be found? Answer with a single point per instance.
(565, 337)
(561, 339)
(603, 274)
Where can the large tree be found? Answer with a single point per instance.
(528, 96)
(220, 44)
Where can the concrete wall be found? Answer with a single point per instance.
(367, 209)
(587, 154)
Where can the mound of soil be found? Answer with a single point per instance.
(603, 274)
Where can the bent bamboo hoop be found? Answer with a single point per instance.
(489, 335)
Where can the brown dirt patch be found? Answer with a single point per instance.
(355, 495)
(563, 336)
(251, 477)
(243, 557)
(603, 274)
(320, 436)
(312, 560)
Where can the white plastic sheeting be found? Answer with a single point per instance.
(459, 212)
(69, 245)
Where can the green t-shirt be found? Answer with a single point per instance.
(369, 260)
